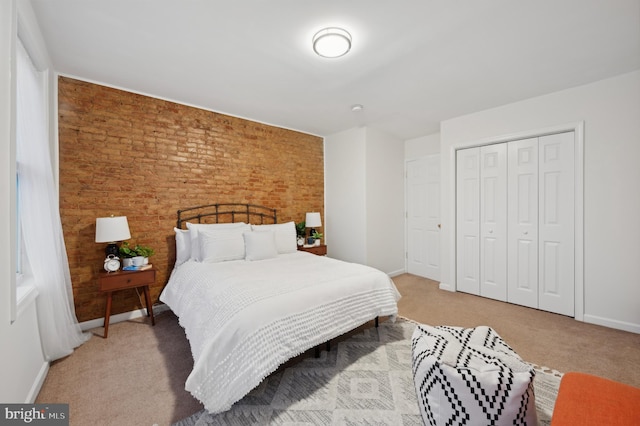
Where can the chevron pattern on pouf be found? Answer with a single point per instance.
(470, 376)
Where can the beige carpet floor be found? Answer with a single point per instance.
(137, 375)
(543, 338)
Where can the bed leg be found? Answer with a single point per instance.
(376, 322)
(316, 350)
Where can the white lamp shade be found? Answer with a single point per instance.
(112, 229)
(312, 220)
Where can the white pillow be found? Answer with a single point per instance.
(285, 234)
(183, 245)
(194, 229)
(260, 245)
(222, 244)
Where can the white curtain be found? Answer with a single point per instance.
(39, 216)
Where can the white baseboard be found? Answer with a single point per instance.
(396, 273)
(607, 322)
(37, 383)
(125, 316)
(445, 286)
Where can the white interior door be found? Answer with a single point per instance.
(540, 254)
(433, 217)
(556, 251)
(423, 217)
(522, 258)
(468, 220)
(493, 221)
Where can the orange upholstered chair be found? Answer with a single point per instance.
(586, 400)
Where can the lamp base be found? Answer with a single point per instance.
(112, 248)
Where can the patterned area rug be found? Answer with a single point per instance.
(364, 380)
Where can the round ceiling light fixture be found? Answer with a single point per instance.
(331, 42)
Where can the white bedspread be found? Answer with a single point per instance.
(243, 319)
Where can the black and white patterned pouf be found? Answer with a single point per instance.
(470, 376)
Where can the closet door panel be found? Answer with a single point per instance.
(556, 228)
(493, 221)
(468, 220)
(522, 258)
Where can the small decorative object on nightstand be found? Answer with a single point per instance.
(320, 250)
(120, 280)
(111, 263)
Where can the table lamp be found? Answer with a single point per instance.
(311, 221)
(111, 230)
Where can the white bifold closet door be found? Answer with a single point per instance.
(523, 222)
(482, 221)
(493, 221)
(517, 242)
(556, 232)
(468, 220)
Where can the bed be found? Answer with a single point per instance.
(249, 300)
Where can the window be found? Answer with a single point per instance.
(31, 122)
(45, 263)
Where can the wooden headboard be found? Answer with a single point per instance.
(226, 213)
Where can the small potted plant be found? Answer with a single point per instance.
(127, 253)
(145, 252)
(316, 238)
(137, 255)
(300, 231)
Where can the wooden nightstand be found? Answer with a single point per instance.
(120, 280)
(320, 250)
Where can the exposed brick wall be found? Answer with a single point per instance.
(145, 158)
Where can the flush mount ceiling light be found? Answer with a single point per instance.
(331, 42)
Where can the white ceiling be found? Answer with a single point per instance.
(413, 63)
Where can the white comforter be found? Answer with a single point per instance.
(243, 319)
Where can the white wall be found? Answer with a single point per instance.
(345, 221)
(385, 202)
(22, 365)
(610, 110)
(422, 146)
(364, 198)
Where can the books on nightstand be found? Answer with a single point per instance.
(137, 268)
